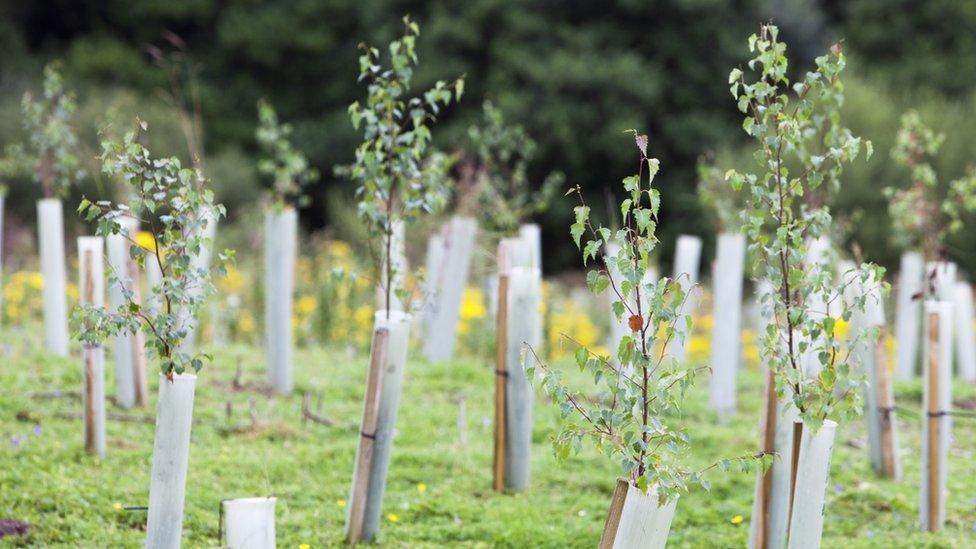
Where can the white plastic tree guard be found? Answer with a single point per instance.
(941, 278)
(91, 284)
(879, 398)
(727, 333)
(965, 341)
(771, 504)
(908, 313)
(449, 279)
(200, 261)
(523, 318)
(532, 235)
(636, 519)
(388, 360)
(170, 460)
(810, 491)
(399, 265)
(280, 251)
(50, 231)
(936, 401)
(118, 263)
(250, 523)
(687, 257)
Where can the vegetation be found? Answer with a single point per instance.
(924, 214)
(397, 178)
(802, 148)
(51, 151)
(286, 166)
(441, 493)
(177, 207)
(505, 196)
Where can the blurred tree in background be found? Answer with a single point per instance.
(575, 74)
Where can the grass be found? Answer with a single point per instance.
(73, 499)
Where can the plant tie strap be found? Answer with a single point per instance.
(940, 413)
(371, 436)
(502, 373)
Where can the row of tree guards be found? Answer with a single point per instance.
(518, 296)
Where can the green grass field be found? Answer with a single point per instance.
(439, 489)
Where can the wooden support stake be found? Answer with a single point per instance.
(139, 369)
(886, 405)
(795, 458)
(934, 424)
(367, 439)
(768, 446)
(501, 380)
(88, 298)
(613, 517)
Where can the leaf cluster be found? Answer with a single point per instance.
(802, 149)
(505, 193)
(282, 162)
(51, 152)
(175, 205)
(397, 177)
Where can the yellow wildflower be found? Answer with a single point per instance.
(146, 240)
(736, 520)
(305, 305)
(304, 546)
(421, 487)
(36, 281)
(341, 503)
(392, 517)
(117, 506)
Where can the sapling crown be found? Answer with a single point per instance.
(174, 204)
(802, 149)
(644, 385)
(501, 183)
(51, 150)
(398, 178)
(283, 163)
(925, 213)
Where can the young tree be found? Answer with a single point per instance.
(802, 149)
(506, 197)
(285, 165)
(392, 167)
(644, 385)
(174, 204)
(925, 213)
(51, 150)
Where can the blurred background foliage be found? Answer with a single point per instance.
(575, 74)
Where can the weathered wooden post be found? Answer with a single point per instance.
(388, 359)
(879, 398)
(449, 279)
(965, 341)
(936, 401)
(50, 231)
(118, 261)
(280, 251)
(91, 282)
(250, 522)
(727, 333)
(908, 313)
(140, 372)
(687, 257)
(501, 370)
